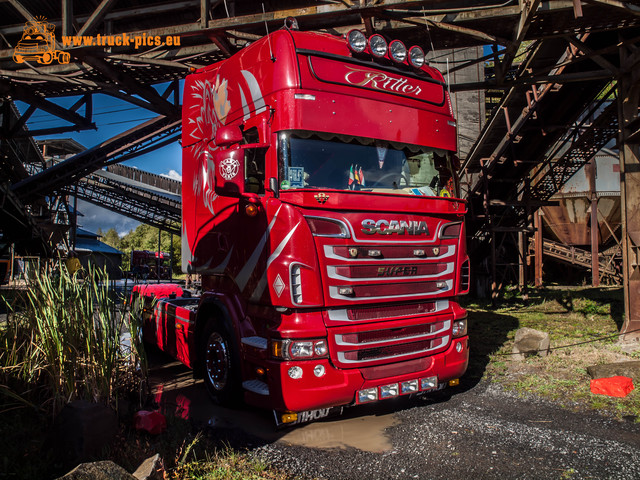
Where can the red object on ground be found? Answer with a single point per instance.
(613, 386)
(152, 422)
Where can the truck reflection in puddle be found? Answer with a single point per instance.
(178, 394)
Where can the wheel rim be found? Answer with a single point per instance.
(217, 361)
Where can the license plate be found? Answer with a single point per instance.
(309, 416)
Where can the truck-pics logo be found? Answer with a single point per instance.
(38, 43)
(401, 227)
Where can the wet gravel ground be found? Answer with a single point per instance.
(482, 432)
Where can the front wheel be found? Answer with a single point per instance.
(221, 366)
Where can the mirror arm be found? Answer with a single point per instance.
(273, 186)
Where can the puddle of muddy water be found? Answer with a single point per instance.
(364, 433)
(177, 393)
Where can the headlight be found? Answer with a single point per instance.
(416, 57)
(299, 349)
(357, 41)
(397, 51)
(377, 45)
(459, 328)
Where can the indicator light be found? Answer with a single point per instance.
(289, 417)
(251, 210)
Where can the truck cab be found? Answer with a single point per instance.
(321, 208)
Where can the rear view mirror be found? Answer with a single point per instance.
(230, 172)
(228, 135)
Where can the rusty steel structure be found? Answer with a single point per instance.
(566, 73)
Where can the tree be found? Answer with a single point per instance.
(145, 237)
(112, 238)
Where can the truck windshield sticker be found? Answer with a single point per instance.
(296, 177)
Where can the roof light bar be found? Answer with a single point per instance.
(397, 51)
(416, 57)
(357, 41)
(377, 45)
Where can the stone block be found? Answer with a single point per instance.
(622, 369)
(529, 341)
(105, 470)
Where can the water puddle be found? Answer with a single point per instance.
(178, 394)
(364, 433)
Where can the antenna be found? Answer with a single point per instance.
(273, 59)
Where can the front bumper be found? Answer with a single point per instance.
(339, 387)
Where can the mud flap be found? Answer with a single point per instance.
(307, 416)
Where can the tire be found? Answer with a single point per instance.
(221, 365)
(46, 58)
(18, 58)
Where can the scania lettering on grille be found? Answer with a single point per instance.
(401, 227)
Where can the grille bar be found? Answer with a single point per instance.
(395, 352)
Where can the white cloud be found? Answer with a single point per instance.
(95, 217)
(173, 175)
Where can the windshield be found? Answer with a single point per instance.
(348, 163)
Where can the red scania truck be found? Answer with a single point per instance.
(320, 206)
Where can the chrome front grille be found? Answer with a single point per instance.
(358, 273)
(396, 340)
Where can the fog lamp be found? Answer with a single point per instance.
(429, 383)
(318, 371)
(295, 372)
(388, 391)
(368, 395)
(409, 386)
(459, 347)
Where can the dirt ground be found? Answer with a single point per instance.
(476, 430)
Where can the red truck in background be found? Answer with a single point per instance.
(147, 264)
(321, 208)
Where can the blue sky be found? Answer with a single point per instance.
(112, 117)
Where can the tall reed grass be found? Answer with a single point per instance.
(65, 344)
